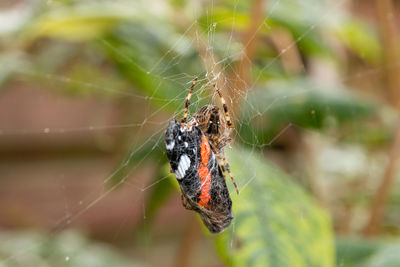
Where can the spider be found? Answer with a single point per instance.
(216, 125)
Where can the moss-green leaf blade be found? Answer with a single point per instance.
(276, 223)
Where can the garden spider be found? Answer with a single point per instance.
(216, 125)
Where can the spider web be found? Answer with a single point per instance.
(154, 118)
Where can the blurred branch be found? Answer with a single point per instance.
(206, 53)
(380, 199)
(209, 59)
(188, 242)
(386, 19)
(387, 25)
(291, 60)
(308, 150)
(249, 41)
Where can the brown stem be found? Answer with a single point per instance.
(249, 41)
(389, 41)
(308, 149)
(291, 60)
(207, 55)
(209, 59)
(188, 242)
(387, 27)
(380, 199)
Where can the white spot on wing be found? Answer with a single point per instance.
(186, 144)
(170, 145)
(183, 166)
(178, 175)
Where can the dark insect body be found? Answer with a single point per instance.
(195, 150)
(199, 175)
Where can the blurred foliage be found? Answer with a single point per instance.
(68, 248)
(147, 50)
(351, 252)
(372, 253)
(276, 223)
(148, 150)
(133, 59)
(387, 256)
(357, 36)
(81, 22)
(301, 103)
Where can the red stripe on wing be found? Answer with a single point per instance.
(204, 173)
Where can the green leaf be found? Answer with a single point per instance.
(9, 62)
(143, 55)
(69, 248)
(303, 19)
(302, 103)
(359, 38)
(276, 223)
(80, 22)
(350, 252)
(367, 252)
(148, 150)
(388, 256)
(162, 188)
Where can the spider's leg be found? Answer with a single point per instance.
(227, 117)
(187, 101)
(227, 167)
(223, 163)
(185, 202)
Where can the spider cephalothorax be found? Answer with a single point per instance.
(212, 122)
